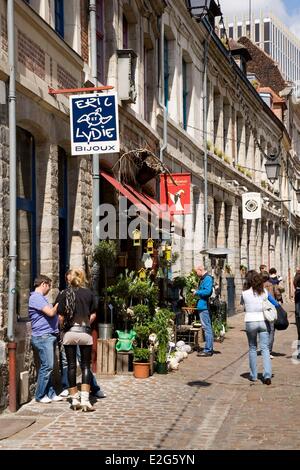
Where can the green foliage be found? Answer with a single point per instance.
(192, 281)
(105, 253)
(161, 323)
(179, 282)
(141, 354)
(140, 313)
(217, 327)
(208, 145)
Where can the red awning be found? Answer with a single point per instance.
(143, 201)
(125, 191)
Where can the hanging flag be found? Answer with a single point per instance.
(175, 192)
(251, 203)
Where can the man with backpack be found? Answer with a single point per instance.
(203, 293)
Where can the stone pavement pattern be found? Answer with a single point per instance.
(208, 403)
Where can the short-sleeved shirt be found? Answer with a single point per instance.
(41, 323)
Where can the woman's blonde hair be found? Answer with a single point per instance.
(78, 278)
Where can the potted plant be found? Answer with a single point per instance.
(105, 254)
(161, 326)
(141, 363)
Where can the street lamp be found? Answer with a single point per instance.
(199, 8)
(272, 167)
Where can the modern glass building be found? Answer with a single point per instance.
(271, 35)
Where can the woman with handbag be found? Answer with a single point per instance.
(272, 296)
(254, 298)
(77, 310)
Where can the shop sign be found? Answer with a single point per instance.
(94, 123)
(175, 192)
(251, 203)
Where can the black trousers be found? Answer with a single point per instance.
(85, 363)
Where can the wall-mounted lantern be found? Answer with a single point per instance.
(272, 167)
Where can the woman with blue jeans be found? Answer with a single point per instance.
(257, 326)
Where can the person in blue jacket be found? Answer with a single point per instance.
(203, 292)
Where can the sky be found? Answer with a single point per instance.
(288, 11)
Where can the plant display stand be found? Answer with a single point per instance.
(124, 362)
(106, 356)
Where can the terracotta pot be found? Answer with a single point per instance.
(141, 370)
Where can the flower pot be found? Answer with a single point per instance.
(141, 370)
(105, 330)
(161, 368)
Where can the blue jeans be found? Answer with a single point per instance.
(63, 368)
(206, 325)
(261, 329)
(45, 347)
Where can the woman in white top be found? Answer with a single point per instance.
(257, 326)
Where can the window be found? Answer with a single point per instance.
(248, 30)
(266, 31)
(239, 31)
(185, 93)
(63, 216)
(231, 32)
(26, 219)
(100, 40)
(59, 17)
(166, 72)
(125, 33)
(256, 32)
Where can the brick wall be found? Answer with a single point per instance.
(84, 30)
(31, 55)
(268, 75)
(65, 79)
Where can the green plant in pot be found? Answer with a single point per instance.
(141, 363)
(119, 297)
(141, 354)
(105, 254)
(161, 325)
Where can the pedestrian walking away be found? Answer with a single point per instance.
(257, 326)
(95, 390)
(271, 297)
(77, 311)
(44, 331)
(203, 292)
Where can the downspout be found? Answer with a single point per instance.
(289, 231)
(161, 93)
(96, 172)
(96, 168)
(205, 145)
(12, 345)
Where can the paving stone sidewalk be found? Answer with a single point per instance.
(208, 403)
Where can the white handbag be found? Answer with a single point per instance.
(269, 310)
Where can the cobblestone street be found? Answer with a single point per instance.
(208, 403)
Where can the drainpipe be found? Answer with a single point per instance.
(161, 93)
(289, 231)
(205, 145)
(95, 165)
(96, 168)
(12, 346)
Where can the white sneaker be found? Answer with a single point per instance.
(56, 398)
(99, 394)
(271, 357)
(45, 399)
(64, 393)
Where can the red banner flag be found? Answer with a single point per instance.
(175, 192)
